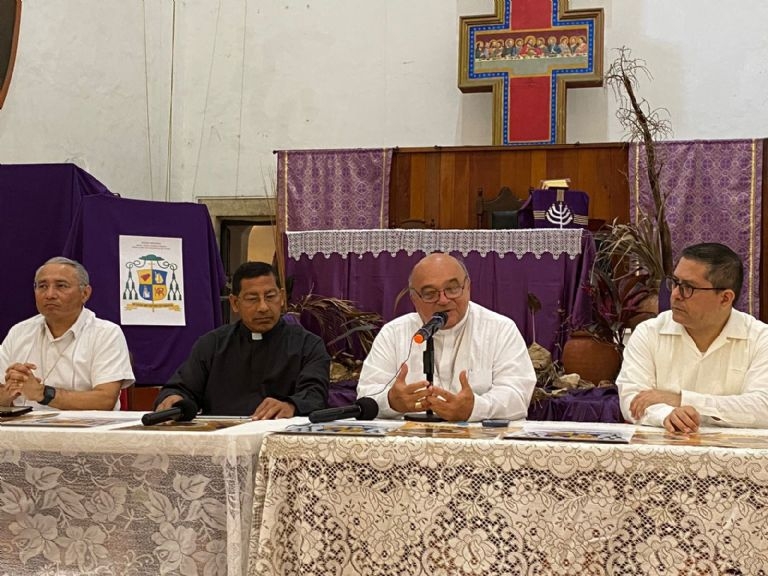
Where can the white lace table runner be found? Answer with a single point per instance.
(502, 242)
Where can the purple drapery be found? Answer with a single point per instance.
(579, 405)
(94, 241)
(373, 277)
(714, 195)
(38, 203)
(333, 189)
(51, 210)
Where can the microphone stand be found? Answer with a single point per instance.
(429, 372)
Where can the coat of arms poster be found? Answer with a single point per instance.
(151, 281)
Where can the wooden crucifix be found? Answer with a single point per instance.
(10, 18)
(528, 53)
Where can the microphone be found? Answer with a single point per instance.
(363, 409)
(182, 411)
(434, 324)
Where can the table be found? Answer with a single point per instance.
(331, 505)
(103, 500)
(371, 268)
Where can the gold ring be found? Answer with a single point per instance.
(417, 405)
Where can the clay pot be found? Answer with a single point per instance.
(593, 360)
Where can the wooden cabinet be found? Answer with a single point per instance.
(442, 183)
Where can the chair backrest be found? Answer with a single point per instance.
(500, 212)
(414, 223)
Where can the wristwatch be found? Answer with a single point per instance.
(49, 393)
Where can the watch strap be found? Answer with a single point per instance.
(49, 393)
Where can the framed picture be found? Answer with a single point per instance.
(528, 53)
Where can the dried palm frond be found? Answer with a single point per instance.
(347, 331)
(630, 249)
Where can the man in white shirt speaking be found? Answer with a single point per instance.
(481, 365)
(702, 362)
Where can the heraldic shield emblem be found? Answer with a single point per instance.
(152, 285)
(157, 285)
(10, 19)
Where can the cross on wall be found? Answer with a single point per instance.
(528, 53)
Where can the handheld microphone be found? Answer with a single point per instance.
(362, 409)
(182, 411)
(434, 324)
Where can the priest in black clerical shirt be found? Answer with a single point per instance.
(261, 366)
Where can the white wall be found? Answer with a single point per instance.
(92, 83)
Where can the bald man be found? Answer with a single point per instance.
(481, 364)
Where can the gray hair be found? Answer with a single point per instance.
(82, 273)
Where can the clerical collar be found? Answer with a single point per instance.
(245, 332)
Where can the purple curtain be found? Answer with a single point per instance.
(333, 189)
(94, 241)
(714, 195)
(51, 210)
(38, 203)
(504, 265)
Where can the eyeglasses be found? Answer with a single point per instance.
(452, 291)
(254, 299)
(686, 290)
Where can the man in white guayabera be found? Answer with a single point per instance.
(64, 358)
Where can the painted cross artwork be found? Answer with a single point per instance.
(528, 53)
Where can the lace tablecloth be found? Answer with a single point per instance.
(383, 506)
(100, 501)
(357, 242)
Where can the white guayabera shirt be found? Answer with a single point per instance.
(727, 384)
(485, 344)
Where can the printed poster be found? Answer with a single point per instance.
(151, 281)
(573, 431)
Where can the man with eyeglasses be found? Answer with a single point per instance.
(481, 365)
(702, 362)
(260, 366)
(65, 358)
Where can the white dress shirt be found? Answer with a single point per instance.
(727, 384)
(485, 344)
(92, 352)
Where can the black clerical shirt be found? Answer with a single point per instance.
(229, 372)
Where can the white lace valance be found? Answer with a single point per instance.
(538, 241)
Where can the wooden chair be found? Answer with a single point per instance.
(141, 398)
(499, 212)
(414, 223)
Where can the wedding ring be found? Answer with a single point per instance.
(417, 405)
